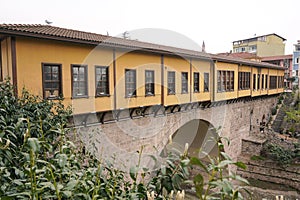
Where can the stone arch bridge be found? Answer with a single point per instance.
(124, 134)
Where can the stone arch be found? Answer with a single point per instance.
(200, 135)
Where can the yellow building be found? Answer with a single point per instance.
(262, 46)
(106, 75)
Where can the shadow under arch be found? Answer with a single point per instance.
(201, 137)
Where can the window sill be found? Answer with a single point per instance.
(132, 96)
(149, 95)
(80, 97)
(173, 93)
(184, 92)
(244, 89)
(53, 98)
(196, 91)
(102, 95)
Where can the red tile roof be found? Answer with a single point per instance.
(244, 55)
(281, 57)
(63, 34)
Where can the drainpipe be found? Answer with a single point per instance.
(162, 81)
(213, 72)
(191, 75)
(115, 74)
(251, 81)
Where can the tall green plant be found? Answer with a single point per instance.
(219, 182)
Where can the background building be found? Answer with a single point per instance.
(262, 46)
(296, 55)
(285, 61)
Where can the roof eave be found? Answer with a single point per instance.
(94, 43)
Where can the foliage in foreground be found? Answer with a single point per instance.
(38, 161)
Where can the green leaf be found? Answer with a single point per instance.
(62, 160)
(34, 144)
(132, 172)
(67, 194)
(241, 165)
(197, 162)
(224, 163)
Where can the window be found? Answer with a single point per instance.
(258, 81)
(273, 82)
(252, 48)
(231, 88)
(254, 81)
(247, 80)
(79, 81)
(266, 82)
(225, 81)
(220, 86)
(102, 81)
(130, 82)
(262, 81)
(149, 82)
(297, 60)
(196, 82)
(184, 82)
(241, 81)
(171, 82)
(280, 81)
(206, 82)
(1, 75)
(52, 85)
(244, 80)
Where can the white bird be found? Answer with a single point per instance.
(48, 22)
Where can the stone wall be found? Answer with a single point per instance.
(269, 171)
(124, 138)
(266, 170)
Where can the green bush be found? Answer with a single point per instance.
(278, 153)
(38, 161)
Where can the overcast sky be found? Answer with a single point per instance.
(217, 22)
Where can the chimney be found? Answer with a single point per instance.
(203, 47)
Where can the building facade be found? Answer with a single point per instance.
(262, 46)
(296, 56)
(99, 74)
(286, 62)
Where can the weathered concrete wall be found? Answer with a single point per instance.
(124, 138)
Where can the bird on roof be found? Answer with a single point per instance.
(48, 22)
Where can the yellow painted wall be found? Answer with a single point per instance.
(31, 53)
(178, 65)
(201, 67)
(271, 47)
(140, 62)
(219, 96)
